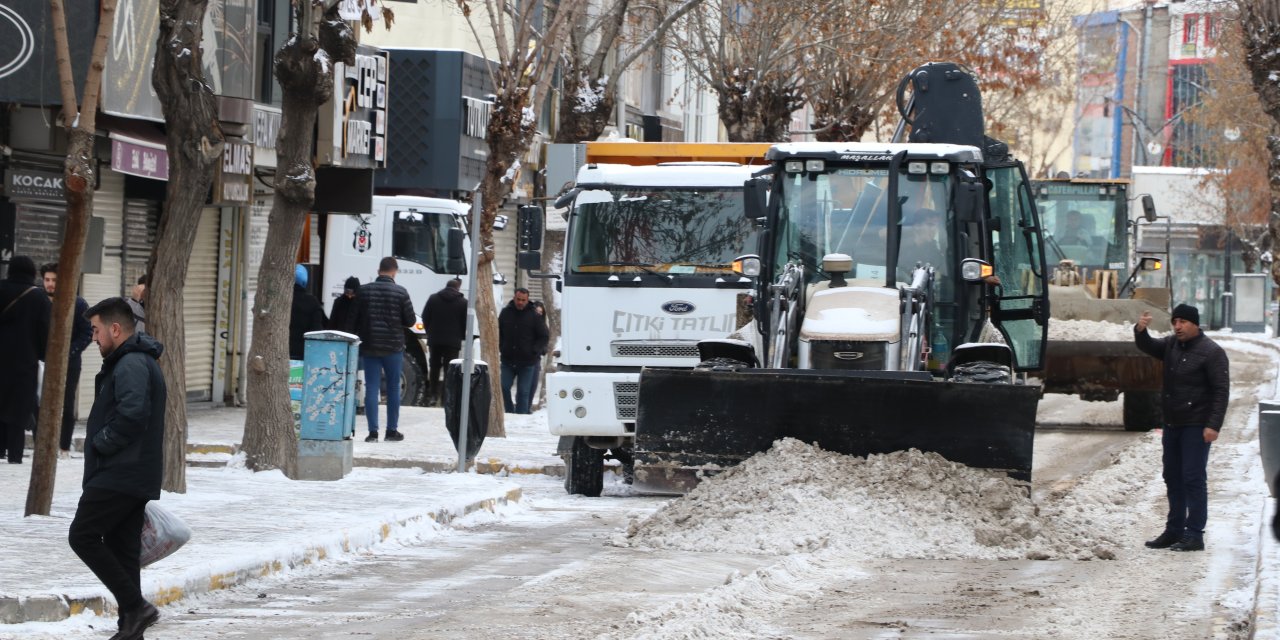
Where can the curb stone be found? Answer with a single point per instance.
(52, 608)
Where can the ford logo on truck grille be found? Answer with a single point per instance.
(678, 307)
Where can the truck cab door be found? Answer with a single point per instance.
(1021, 307)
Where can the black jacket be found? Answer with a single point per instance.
(306, 315)
(445, 318)
(125, 431)
(383, 311)
(343, 317)
(81, 332)
(1197, 379)
(522, 335)
(24, 331)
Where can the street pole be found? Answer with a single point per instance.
(468, 347)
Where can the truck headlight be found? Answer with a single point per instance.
(580, 411)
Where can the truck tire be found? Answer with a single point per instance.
(584, 469)
(413, 381)
(981, 372)
(1141, 410)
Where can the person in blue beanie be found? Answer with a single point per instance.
(306, 315)
(1197, 386)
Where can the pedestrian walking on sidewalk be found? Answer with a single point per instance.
(305, 315)
(522, 337)
(24, 331)
(81, 337)
(383, 312)
(1197, 386)
(445, 320)
(541, 309)
(123, 461)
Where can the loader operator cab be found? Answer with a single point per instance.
(825, 199)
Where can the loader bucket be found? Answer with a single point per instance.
(698, 422)
(1099, 369)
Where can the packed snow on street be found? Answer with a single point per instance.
(798, 542)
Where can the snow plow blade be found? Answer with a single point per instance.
(692, 423)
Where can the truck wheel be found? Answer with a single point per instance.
(413, 381)
(1141, 410)
(584, 469)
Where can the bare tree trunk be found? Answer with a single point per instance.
(581, 124)
(487, 316)
(760, 115)
(194, 145)
(1260, 23)
(305, 73)
(79, 180)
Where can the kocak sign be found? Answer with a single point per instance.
(24, 184)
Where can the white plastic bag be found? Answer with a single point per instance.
(163, 532)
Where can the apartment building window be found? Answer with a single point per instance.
(1190, 34)
(1210, 30)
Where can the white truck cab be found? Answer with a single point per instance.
(647, 273)
(426, 236)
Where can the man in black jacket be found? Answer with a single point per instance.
(1197, 386)
(123, 461)
(24, 331)
(306, 314)
(383, 312)
(522, 339)
(343, 317)
(81, 336)
(445, 320)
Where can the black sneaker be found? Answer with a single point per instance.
(1188, 543)
(1165, 540)
(394, 436)
(373, 436)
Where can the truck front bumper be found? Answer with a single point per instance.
(592, 404)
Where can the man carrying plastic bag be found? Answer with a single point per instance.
(123, 461)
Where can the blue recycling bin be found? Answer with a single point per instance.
(330, 362)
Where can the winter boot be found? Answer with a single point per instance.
(1165, 540)
(1189, 542)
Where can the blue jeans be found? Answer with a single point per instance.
(522, 375)
(374, 367)
(1186, 456)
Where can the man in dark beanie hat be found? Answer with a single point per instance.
(24, 330)
(1197, 385)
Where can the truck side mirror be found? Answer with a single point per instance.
(755, 193)
(1148, 207)
(457, 261)
(965, 200)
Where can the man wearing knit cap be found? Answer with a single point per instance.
(24, 331)
(1197, 385)
(305, 315)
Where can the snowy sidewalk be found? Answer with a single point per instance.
(248, 525)
(214, 434)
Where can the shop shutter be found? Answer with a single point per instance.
(39, 230)
(200, 301)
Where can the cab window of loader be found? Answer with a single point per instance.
(1018, 262)
(841, 211)
(422, 237)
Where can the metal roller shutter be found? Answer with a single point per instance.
(108, 204)
(200, 302)
(256, 233)
(504, 257)
(141, 219)
(39, 230)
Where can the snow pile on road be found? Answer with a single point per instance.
(1084, 330)
(907, 504)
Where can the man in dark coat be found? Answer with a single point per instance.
(123, 461)
(81, 336)
(1197, 386)
(343, 317)
(445, 320)
(383, 312)
(306, 315)
(522, 339)
(24, 331)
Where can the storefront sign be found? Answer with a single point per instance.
(28, 73)
(476, 113)
(266, 126)
(139, 160)
(353, 127)
(233, 177)
(354, 9)
(24, 184)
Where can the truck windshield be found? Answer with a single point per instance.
(845, 210)
(669, 231)
(422, 237)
